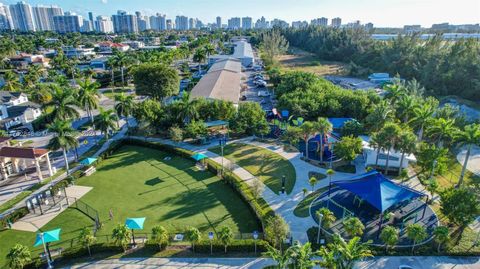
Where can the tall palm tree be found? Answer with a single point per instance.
(382, 112)
(376, 142)
(64, 138)
(124, 105)
(422, 115)
(302, 255)
(282, 259)
(306, 130)
(406, 106)
(199, 56)
(209, 49)
(12, 83)
(442, 130)
(416, 232)
(323, 127)
(62, 103)
(106, 121)
(389, 134)
(347, 253)
(406, 145)
(395, 92)
(469, 137)
(121, 235)
(389, 236)
(88, 96)
(121, 60)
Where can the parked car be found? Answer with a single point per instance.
(263, 94)
(261, 84)
(243, 98)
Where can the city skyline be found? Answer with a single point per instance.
(423, 12)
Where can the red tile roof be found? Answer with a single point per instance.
(3, 139)
(24, 153)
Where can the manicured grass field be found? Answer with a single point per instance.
(268, 166)
(300, 60)
(138, 182)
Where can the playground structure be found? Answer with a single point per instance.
(389, 204)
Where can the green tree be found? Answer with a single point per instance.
(460, 206)
(389, 236)
(352, 128)
(63, 103)
(348, 148)
(313, 181)
(442, 130)
(12, 83)
(323, 127)
(276, 230)
(124, 106)
(328, 217)
(281, 258)
(307, 129)
(88, 96)
(344, 254)
(272, 45)
(194, 236)
(155, 80)
(200, 56)
(121, 235)
(64, 138)
(291, 135)
(353, 226)
(196, 129)
(442, 236)
(302, 255)
(382, 113)
(468, 137)
(121, 60)
(417, 233)
(390, 134)
(18, 256)
(87, 238)
(176, 134)
(226, 236)
(249, 117)
(406, 106)
(422, 115)
(159, 236)
(431, 157)
(106, 121)
(406, 144)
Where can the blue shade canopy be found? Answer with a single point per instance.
(199, 156)
(135, 223)
(338, 123)
(88, 161)
(50, 236)
(377, 190)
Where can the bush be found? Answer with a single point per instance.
(247, 245)
(13, 216)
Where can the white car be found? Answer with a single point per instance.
(263, 94)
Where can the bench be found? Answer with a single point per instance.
(54, 253)
(89, 171)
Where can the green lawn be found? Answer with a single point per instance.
(302, 209)
(268, 166)
(138, 182)
(112, 93)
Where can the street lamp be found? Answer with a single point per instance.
(283, 183)
(255, 237)
(320, 218)
(222, 143)
(210, 237)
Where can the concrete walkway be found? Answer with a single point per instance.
(473, 164)
(33, 222)
(174, 263)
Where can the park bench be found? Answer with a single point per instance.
(54, 253)
(89, 171)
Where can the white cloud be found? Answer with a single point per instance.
(104, 1)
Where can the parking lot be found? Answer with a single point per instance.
(254, 93)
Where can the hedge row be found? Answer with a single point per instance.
(245, 246)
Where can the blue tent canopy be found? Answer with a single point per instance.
(50, 236)
(199, 156)
(88, 161)
(338, 123)
(135, 223)
(377, 190)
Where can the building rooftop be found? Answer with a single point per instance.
(223, 85)
(242, 49)
(24, 153)
(18, 110)
(6, 96)
(229, 64)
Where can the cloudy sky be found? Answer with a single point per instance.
(380, 12)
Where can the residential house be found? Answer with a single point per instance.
(16, 111)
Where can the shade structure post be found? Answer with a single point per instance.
(133, 237)
(425, 207)
(380, 225)
(49, 265)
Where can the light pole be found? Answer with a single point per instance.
(222, 143)
(210, 237)
(320, 218)
(255, 237)
(49, 263)
(283, 183)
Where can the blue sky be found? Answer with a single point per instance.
(380, 12)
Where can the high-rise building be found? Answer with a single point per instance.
(234, 23)
(5, 18)
(124, 23)
(336, 22)
(68, 23)
(299, 24)
(279, 23)
(192, 23)
(90, 16)
(158, 22)
(104, 24)
(143, 22)
(181, 23)
(262, 23)
(43, 17)
(22, 17)
(219, 22)
(368, 26)
(247, 23)
(169, 24)
(319, 22)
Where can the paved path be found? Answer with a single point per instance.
(283, 204)
(174, 263)
(33, 222)
(421, 262)
(473, 164)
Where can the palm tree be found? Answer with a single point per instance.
(312, 181)
(328, 217)
(88, 96)
(159, 236)
(64, 138)
(12, 83)
(390, 134)
(329, 258)
(209, 49)
(406, 106)
(469, 137)
(389, 236)
(199, 56)
(194, 236)
(406, 145)
(121, 59)
(306, 130)
(121, 235)
(416, 233)
(442, 236)
(106, 121)
(346, 253)
(19, 256)
(382, 112)
(442, 130)
(395, 92)
(353, 226)
(62, 103)
(124, 105)
(282, 259)
(323, 127)
(376, 142)
(87, 238)
(422, 114)
(225, 236)
(302, 255)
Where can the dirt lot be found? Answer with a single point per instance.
(300, 60)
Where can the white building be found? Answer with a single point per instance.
(219, 22)
(247, 23)
(104, 24)
(181, 23)
(6, 22)
(336, 22)
(43, 17)
(320, 22)
(68, 23)
(242, 51)
(17, 111)
(124, 23)
(234, 23)
(158, 22)
(370, 156)
(22, 17)
(299, 24)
